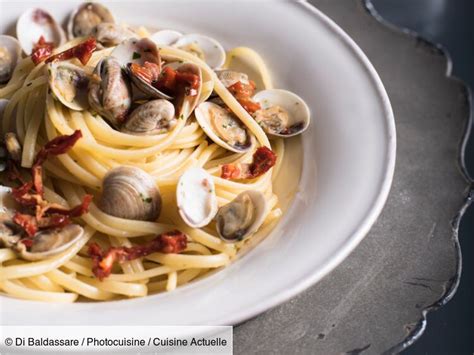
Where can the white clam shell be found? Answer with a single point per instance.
(51, 242)
(69, 84)
(33, 24)
(10, 55)
(202, 113)
(214, 53)
(165, 37)
(136, 51)
(298, 110)
(196, 197)
(260, 204)
(102, 12)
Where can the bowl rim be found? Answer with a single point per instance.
(304, 281)
(364, 226)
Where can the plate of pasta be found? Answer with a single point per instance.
(179, 160)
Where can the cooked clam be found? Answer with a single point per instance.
(111, 34)
(33, 24)
(137, 51)
(196, 197)
(86, 17)
(50, 242)
(69, 83)
(130, 193)
(165, 37)
(10, 54)
(44, 243)
(230, 77)
(206, 48)
(223, 127)
(109, 91)
(282, 114)
(153, 117)
(242, 216)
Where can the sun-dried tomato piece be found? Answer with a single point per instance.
(27, 222)
(41, 50)
(243, 93)
(149, 72)
(175, 81)
(263, 160)
(57, 146)
(83, 51)
(169, 242)
(167, 80)
(31, 194)
(249, 105)
(53, 221)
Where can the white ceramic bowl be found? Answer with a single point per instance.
(348, 162)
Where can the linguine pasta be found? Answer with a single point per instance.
(37, 117)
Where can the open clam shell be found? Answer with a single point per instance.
(186, 102)
(196, 197)
(223, 127)
(50, 242)
(206, 48)
(282, 114)
(111, 34)
(241, 217)
(45, 243)
(137, 51)
(165, 37)
(69, 83)
(87, 16)
(153, 117)
(10, 54)
(33, 24)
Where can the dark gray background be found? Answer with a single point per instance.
(450, 23)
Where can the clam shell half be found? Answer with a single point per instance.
(223, 127)
(69, 83)
(10, 55)
(196, 197)
(283, 114)
(33, 24)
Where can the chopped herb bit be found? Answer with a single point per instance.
(224, 126)
(29, 84)
(181, 117)
(210, 190)
(146, 199)
(136, 55)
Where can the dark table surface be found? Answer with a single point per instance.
(449, 23)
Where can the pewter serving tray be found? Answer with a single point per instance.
(377, 299)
